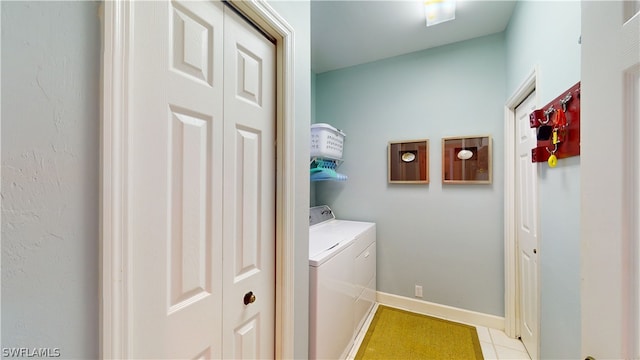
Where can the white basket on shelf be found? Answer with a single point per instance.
(326, 141)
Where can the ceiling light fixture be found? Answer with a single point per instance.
(439, 11)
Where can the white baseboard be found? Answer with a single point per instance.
(441, 311)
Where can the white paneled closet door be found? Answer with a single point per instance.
(249, 191)
(202, 217)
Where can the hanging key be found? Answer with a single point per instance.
(560, 126)
(553, 160)
(558, 135)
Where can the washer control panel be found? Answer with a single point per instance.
(318, 214)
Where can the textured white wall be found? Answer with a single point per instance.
(50, 155)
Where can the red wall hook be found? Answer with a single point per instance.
(558, 127)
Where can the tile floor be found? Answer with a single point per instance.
(496, 345)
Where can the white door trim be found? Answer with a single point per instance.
(115, 322)
(511, 303)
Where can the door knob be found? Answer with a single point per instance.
(249, 298)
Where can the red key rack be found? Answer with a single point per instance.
(546, 121)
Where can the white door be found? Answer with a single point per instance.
(249, 191)
(610, 90)
(526, 189)
(180, 222)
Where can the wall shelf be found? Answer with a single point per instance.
(324, 169)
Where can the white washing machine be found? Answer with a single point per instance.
(342, 281)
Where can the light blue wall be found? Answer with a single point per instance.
(313, 97)
(449, 239)
(544, 34)
(312, 190)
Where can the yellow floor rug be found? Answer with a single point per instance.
(400, 334)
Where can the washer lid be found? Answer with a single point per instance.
(322, 244)
(330, 237)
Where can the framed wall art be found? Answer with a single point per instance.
(466, 160)
(408, 161)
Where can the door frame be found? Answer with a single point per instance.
(511, 247)
(115, 242)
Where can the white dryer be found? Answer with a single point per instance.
(342, 271)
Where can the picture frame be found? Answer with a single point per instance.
(408, 162)
(467, 160)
